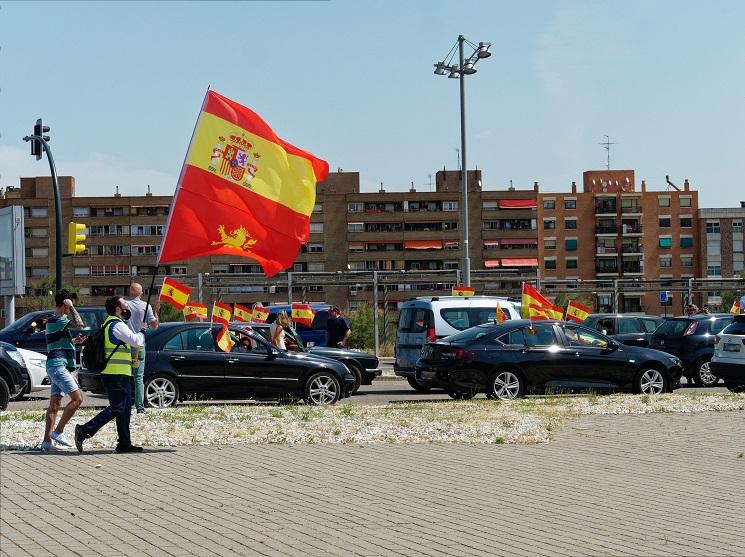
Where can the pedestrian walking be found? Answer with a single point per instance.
(277, 330)
(338, 329)
(136, 324)
(60, 362)
(116, 377)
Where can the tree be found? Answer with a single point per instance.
(169, 313)
(363, 331)
(42, 294)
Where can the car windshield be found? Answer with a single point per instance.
(673, 327)
(470, 335)
(735, 328)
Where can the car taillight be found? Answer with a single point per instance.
(691, 329)
(458, 354)
(431, 337)
(717, 339)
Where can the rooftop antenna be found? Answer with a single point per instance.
(457, 154)
(430, 181)
(606, 144)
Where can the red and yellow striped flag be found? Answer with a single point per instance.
(577, 312)
(303, 314)
(531, 297)
(242, 191)
(538, 313)
(735, 307)
(261, 314)
(463, 291)
(223, 339)
(221, 313)
(501, 316)
(242, 313)
(174, 293)
(195, 311)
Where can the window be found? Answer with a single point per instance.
(714, 247)
(570, 244)
(107, 211)
(714, 271)
(582, 337)
(220, 269)
(666, 261)
(415, 320)
(38, 212)
(115, 250)
(685, 201)
(357, 247)
(355, 207)
(297, 268)
(570, 204)
(737, 226)
(109, 270)
(450, 265)
(570, 224)
(81, 211)
(37, 272)
(666, 242)
(82, 271)
(316, 227)
(449, 205)
(549, 204)
(539, 335)
(198, 339)
(44, 252)
(109, 230)
(571, 262)
(665, 222)
(450, 245)
(686, 261)
(450, 225)
(148, 230)
(145, 250)
(712, 227)
(178, 270)
(549, 224)
(686, 241)
(315, 247)
(35, 232)
(663, 201)
(736, 246)
(315, 267)
(686, 222)
(318, 208)
(355, 227)
(490, 205)
(550, 264)
(549, 244)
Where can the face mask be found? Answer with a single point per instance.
(126, 314)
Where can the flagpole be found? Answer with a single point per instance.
(136, 357)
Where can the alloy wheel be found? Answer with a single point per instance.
(323, 389)
(705, 375)
(652, 382)
(161, 392)
(506, 385)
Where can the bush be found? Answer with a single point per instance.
(363, 333)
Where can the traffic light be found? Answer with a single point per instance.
(36, 147)
(76, 238)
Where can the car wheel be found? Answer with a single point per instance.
(505, 384)
(4, 394)
(417, 386)
(735, 388)
(23, 393)
(161, 391)
(322, 388)
(703, 376)
(650, 381)
(467, 394)
(357, 372)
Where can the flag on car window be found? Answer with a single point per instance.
(303, 314)
(223, 339)
(242, 313)
(261, 314)
(577, 312)
(463, 291)
(735, 307)
(221, 313)
(195, 311)
(174, 293)
(501, 316)
(242, 191)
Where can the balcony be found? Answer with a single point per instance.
(631, 228)
(632, 210)
(603, 250)
(606, 229)
(606, 267)
(632, 267)
(632, 249)
(605, 207)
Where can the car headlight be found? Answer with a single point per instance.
(39, 362)
(17, 356)
(677, 361)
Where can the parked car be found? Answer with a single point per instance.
(633, 330)
(728, 361)
(510, 359)
(423, 320)
(13, 374)
(182, 361)
(28, 331)
(36, 365)
(691, 338)
(315, 335)
(364, 366)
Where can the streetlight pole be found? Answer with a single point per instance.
(459, 71)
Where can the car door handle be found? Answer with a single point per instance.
(233, 360)
(178, 358)
(578, 354)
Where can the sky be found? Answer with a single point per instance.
(121, 84)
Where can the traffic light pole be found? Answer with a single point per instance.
(57, 207)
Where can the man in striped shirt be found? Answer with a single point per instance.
(60, 362)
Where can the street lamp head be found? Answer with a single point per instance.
(454, 72)
(440, 68)
(483, 51)
(468, 68)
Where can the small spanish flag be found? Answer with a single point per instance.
(242, 313)
(174, 293)
(735, 307)
(221, 313)
(463, 291)
(501, 315)
(261, 314)
(223, 339)
(195, 311)
(303, 314)
(577, 312)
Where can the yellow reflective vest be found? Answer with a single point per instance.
(121, 361)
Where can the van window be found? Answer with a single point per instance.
(456, 318)
(486, 315)
(628, 326)
(414, 320)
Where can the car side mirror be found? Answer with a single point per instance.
(613, 345)
(273, 352)
(604, 331)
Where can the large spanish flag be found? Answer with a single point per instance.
(577, 312)
(174, 293)
(242, 191)
(531, 297)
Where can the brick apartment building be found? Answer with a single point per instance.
(721, 251)
(612, 230)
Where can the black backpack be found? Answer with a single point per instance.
(93, 357)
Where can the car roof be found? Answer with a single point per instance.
(624, 315)
(456, 301)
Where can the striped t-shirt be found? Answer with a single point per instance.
(60, 349)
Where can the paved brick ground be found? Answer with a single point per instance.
(620, 485)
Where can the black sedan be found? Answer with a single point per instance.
(13, 374)
(508, 360)
(183, 362)
(364, 366)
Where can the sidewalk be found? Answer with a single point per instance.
(662, 484)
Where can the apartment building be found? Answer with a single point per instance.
(721, 251)
(612, 230)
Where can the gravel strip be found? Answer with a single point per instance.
(523, 421)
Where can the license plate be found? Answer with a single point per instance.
(731, 347)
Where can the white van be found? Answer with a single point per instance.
(425, 320)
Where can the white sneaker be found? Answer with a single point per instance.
(60, 439)
(46, 445)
